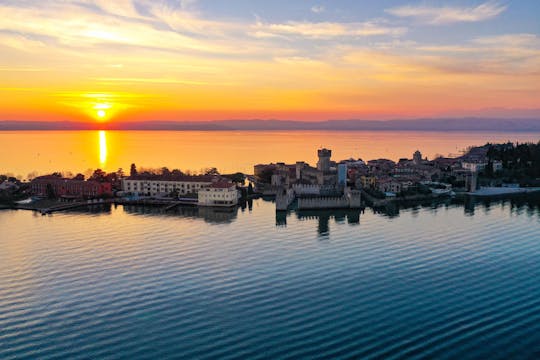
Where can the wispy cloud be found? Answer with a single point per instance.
(498, 56)
(162, 51)
(325, 30)
(513, 40)
(449, 14)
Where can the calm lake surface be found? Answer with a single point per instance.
(24, 152)
(456, 281)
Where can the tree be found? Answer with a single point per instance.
(165, 171)
(79, 177)
(32, 175)
(238, 177)
(211, 171)
(133, 170)
(99, 175)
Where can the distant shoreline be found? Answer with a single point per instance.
(276, 130)
(425, 125)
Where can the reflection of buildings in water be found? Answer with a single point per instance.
(208, 214)
(218, 215)
(470, 204)
(93, 209)
(246, 205)
(281, 218)
(351, 216)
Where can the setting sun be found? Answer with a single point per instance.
(101, 113)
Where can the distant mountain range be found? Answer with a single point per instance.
(449, 124)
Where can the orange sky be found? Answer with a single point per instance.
(115, 62)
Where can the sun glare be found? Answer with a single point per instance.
(101, 111)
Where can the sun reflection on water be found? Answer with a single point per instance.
(102, 148)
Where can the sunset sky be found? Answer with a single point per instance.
(285, 59)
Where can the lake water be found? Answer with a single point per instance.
(24, 152)
(456, 281)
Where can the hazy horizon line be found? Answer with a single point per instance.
(416, 124)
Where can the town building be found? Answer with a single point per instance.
(474, 166)
(368, 182)
(381, 165)
(62, 187)
(154, 185)
(306, 174)
(342, 174)
(497, 166)
(389, 185)
(220, 194)
(8, 186)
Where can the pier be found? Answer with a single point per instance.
(72, 205)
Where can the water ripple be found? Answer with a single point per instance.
(137, 283)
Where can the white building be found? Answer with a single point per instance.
(153, 185)
(218, 194)
(474, 166)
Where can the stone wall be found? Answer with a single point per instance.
(323, 203)
(284, 198)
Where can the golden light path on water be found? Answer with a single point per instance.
(229, 151)
(102, 148)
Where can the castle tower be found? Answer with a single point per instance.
(417, 157)
(324, 160)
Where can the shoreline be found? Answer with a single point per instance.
(502, 191)
(49, 207)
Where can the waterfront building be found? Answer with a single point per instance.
(62, 187)
(220, 193)
(153, 185)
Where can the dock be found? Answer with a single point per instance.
(73, 205)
